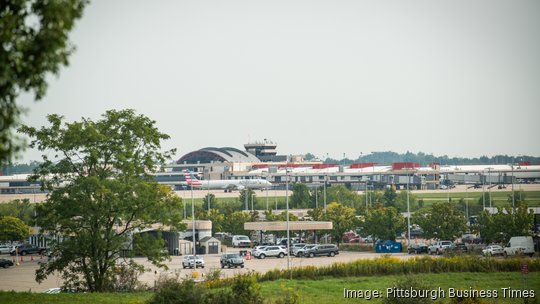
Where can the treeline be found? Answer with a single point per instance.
(389, 157)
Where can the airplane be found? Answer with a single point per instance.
(226, 184)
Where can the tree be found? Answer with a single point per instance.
(34, 39)
(22, 210)
(101, 194)
(218, 220)
(209, 200)
(343, 219)
(235, 222)
(383, 223)
(401, 201)
(389, 197)
(251, 198)
(345, 196)
(13, 229)
(504, 224)
(442, 221)
(300, 197)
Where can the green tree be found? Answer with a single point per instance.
(343, 219)
(401, 201)
(442, 221)
(504, 224)
(217, 218)
(345, 196)
(13, 229)
(301, 196)
(209, 200)
(101, 194)
(235, 222)
(383, 223)
(389, 197)
(19, 209)
(251, 198)
(34, 39)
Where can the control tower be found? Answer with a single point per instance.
(265, 150)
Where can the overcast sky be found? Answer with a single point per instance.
(460, 78)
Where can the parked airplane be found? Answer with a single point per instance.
(226, 184)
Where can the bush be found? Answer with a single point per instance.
(357, 247)
(289, 296)
(411, 284)
(172, 291)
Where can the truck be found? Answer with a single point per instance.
(440, 247)
(241, 241)
(519, 245)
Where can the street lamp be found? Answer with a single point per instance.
(325, 177)
(489, 187)
(408, 214)
(288, 232)
(252, 202)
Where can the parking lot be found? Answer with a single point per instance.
(21, 278)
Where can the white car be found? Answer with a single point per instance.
(492, 250)
(269, 251)
(192, 261)
(5, 248)
(300, 252)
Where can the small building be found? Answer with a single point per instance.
(210, 245)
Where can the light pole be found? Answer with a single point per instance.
(483, 191)
(288, 232)
(513, 195)
(252, 202)
(489, 187)
(193, 218)
(408, 214)
(325, 177)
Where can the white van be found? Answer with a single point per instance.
(519, 245)
(241, 241)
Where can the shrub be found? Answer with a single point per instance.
(172, 291)
(289, 296)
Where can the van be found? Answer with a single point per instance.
(241, 241)
(519, 245)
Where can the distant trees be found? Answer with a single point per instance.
(21, 209)
(301, 197)
(13, 229)
(504, 224)
(383, 222)
(442, 221)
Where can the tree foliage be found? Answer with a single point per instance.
(301, 197)
(13, 229)
(442, 221)
(101, 194)
(34, 39)
(504, 224)
(21, 209)
(251, 197)
(343, 219)
(383, 223)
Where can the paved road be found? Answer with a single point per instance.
(21, 278)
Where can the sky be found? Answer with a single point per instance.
(333, 78)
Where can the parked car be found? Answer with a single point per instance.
(519, 245)
(192, 261)
(296, 246)
(231, 260)
(492, 250)
(241, 241)
(5, 263)
(257, 249)
(460, 247)
(25, 249)
(299, 252)
(271, 251)
(326, 249)
(440, 247)
(5, 248)
(417, 249)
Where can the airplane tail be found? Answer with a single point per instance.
(191, 179)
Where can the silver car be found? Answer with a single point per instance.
(192, 261)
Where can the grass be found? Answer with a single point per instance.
(532, 198)
(324, 290)
(331, 290)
